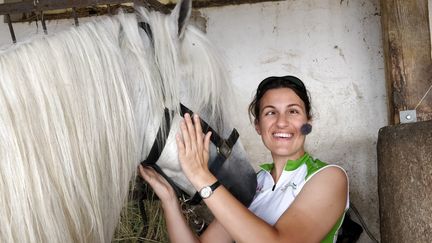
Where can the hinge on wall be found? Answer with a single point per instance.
(408, 116)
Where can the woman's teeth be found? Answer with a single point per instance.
(283, 135)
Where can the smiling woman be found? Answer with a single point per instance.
(288, 187)
(298, 198)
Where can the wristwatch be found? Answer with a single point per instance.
(207, 191)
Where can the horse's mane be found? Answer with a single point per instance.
(67, 136)
(80, 108)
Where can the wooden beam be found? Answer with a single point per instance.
(155, 5)
(218, 3)
(28, 6)
(407, 51)
(44, 5)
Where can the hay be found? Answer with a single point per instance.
(131, 228)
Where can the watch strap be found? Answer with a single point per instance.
(215, 185)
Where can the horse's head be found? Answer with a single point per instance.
(192, 74)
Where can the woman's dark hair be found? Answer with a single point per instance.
(274, 82)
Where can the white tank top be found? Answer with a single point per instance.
(272, 200)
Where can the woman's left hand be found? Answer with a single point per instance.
(193, 148)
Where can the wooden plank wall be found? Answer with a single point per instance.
(408, 63)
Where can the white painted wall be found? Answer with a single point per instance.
(334, 47)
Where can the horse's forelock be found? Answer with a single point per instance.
(144, 80)
(191, 70)
(205, 78)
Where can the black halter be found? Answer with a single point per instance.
(223, 146)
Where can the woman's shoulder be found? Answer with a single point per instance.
(322, 176)
(336, 172)
(315, 166)
(329, 178)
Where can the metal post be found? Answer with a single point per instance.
(109, 9)
(74, 14)
(43, 23)
(9, 21)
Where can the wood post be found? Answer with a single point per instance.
(408, 63)
(405, 182)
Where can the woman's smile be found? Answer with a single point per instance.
(282, 135)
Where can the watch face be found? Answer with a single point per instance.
(206, 192)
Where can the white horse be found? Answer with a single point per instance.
(81, 109)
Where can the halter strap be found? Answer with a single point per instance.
(223, 146)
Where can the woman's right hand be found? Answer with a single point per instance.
(160, 186)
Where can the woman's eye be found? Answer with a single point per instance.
(269, 113)
(294, 112)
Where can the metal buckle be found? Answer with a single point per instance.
(224, 150)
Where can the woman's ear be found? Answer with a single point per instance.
(257, 127)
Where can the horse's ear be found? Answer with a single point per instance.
(181, 13)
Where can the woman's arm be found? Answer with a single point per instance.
(177, 226)
(178, 229)
(310, 217)
(215, 233)
(317, 207)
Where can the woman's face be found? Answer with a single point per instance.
(282, 114)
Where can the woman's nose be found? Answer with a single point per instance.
(282, 120)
